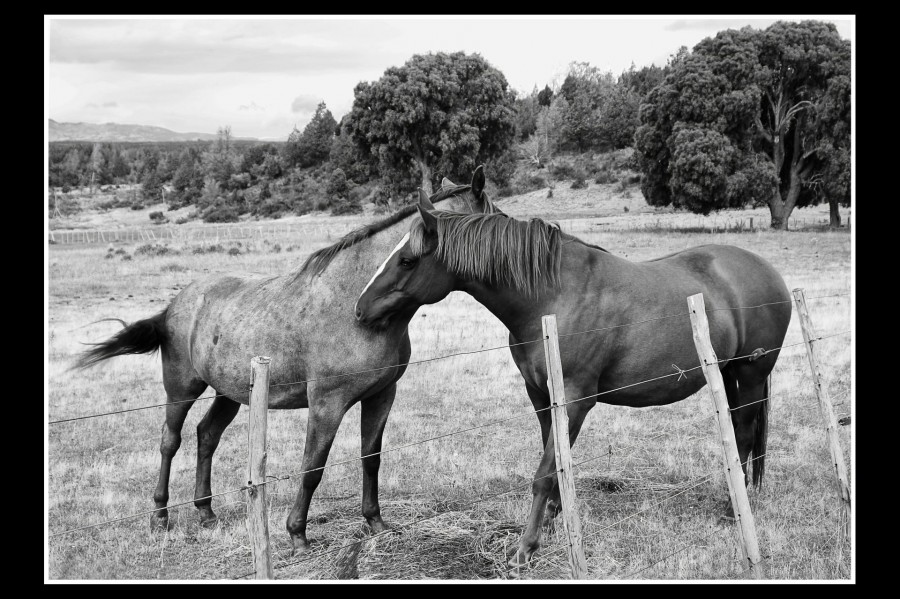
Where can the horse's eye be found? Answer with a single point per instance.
(407, 263)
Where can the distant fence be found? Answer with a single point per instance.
(213, 233)
(752, 558)
(336, 229)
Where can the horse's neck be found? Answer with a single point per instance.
(517, 311)
(521, 313)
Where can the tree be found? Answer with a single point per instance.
(545, 96)
(750, 117)
(312, 147)
(438, 115)
(526, 115)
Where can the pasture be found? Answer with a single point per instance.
(650, 485)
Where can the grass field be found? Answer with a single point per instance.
(660, 467)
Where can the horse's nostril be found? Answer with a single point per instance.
(358, 314)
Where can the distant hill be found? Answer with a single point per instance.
(121, 133)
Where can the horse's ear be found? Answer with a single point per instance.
(424, 202)
(478, 182)
(447, 183)
(429, 219)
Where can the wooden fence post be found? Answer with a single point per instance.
(733, 472)
(827, 413)
(560, 420)
(257, 517)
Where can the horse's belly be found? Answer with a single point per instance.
(661, 392)
(288, 399)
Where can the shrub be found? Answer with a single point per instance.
(234, 252)
(221, 213)
(181, 220)
(579, 183)
(152, 249)
(158, 218)
(605, 176)
(173, 267)
(210, 249)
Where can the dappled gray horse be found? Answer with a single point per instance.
(304, 320)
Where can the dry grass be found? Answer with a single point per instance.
(650, 510)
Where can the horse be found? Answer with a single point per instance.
(520, 270)
(304, 321)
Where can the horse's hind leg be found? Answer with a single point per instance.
(373, 416)
(180, 402)
(746, 391)
(209, 431)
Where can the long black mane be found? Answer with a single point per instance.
(319, 260)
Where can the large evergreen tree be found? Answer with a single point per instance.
(437, 115)
(751, 117)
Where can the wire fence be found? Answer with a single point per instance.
(463, 353)
(679, 372)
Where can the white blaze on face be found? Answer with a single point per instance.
(383, 264)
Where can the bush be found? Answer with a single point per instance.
(605, 176)
(158, 218)
(234, 252)
(152, 249)
(221, 213)
(579, 183)
(564, 170)
(215, 248)
(181, 220)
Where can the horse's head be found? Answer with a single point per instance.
(410, 277)
(466, 199)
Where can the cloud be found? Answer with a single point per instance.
(104, 105)
(716, 24)
(208, 46)
(252, 107)
(305, 103)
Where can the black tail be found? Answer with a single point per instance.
(760, 436)
(141, 337)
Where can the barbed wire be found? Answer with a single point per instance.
(426, 360)
(552, 406)
(161, 405)
(700, 480)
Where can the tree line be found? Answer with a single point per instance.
(748, 117)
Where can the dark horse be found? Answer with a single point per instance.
(522, 270)
(304, 321)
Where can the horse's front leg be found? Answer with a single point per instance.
(541, 401)
(325, 417)
(545, 478)
(373, 417)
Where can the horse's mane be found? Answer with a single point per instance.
(495, 249)
(319, 260)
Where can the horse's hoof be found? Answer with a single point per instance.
(300, 546)
(519, 560)
(159, 523)
(378, 526)
(208, 518)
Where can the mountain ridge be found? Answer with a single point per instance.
(118, 132)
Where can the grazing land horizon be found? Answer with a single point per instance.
(650, 485)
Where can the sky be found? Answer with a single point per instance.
(263, 76)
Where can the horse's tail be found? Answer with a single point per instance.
(141, 337)
(760, 436)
